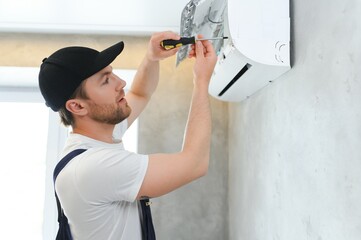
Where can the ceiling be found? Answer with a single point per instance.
(132, 17)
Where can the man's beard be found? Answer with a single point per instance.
(108, 113)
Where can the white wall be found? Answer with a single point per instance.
(295, 146)
(139, 17)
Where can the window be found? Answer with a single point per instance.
(31, 141)
(23, 167)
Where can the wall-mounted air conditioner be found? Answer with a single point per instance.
(258, 49)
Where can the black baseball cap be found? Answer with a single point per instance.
(63, 71)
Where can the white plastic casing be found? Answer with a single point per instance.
(258, 50)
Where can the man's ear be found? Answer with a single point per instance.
(76, 106)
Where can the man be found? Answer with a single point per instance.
(98, 189)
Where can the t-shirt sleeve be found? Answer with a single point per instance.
(105, 175)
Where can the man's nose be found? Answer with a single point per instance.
(121, 84)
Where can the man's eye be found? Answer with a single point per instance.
(106, 81)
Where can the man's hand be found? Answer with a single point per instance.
(155, 51)
(206, 59)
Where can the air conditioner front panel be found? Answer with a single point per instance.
(245, 76)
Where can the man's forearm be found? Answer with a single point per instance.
(198, 131)
(146, 79)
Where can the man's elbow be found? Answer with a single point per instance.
(203, 168)
(203, 173)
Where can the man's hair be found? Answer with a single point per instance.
(66, 117)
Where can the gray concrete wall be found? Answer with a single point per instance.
(197, 211)
(294, 147)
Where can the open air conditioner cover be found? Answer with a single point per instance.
(258, 48)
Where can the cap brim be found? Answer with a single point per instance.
(107, 56)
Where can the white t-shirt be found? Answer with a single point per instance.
(98, 188)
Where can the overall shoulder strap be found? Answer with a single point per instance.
(64, 161)
(64, 229)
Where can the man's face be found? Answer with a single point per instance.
(106, 103)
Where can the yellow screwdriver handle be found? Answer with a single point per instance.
(170, 43)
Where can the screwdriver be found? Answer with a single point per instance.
(170, 43)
